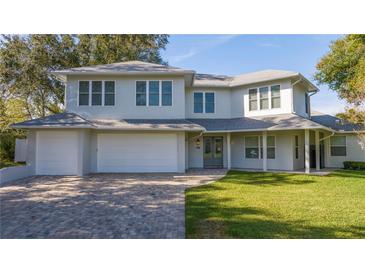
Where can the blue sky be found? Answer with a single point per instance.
(237, 54)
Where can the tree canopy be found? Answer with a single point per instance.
(26, 60)
(343, 69)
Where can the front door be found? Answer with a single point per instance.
(213, 152)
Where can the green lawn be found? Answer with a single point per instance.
(278, 205)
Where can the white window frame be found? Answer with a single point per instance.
(159, 92)
(259, 97)
(260, 146)
(204, 92)
(102, 93)
(330, 143)
(296, 147)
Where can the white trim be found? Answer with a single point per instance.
(330, 146)
(204, 112)
(159, 92)
(90, 93)
(258, 95)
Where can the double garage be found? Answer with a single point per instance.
(76, 152)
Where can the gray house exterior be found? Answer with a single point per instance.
(143, 117)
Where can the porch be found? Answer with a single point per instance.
(282, 150)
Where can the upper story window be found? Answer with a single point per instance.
(269, 97)
(84, 93)
(159, 93)
(96, 93)
(338, 145)
(204, 102)
(306, 103)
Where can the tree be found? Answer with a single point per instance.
(26, 62)
(343, 69)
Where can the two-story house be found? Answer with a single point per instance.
(143, 117)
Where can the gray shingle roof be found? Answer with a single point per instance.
(274, 122)
(71, 120)
(334, 122)
(124, 67)
(64, 119)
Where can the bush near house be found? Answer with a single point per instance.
(354, 165)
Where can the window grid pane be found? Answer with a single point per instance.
(209, 102)
(141, 98)
(109, 89)
(167, 93)
(154, 93)
(198, 102)
(252, 99)
(84, 93)
(96, 91)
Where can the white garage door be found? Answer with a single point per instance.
(137, 152)
(56, 153)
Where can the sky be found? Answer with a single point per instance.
(237, 54)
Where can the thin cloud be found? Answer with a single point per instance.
(202, 46)
(268, 45)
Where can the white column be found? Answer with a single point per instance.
(318, 167)
(229, 150)
(306, 151)
(264, 151)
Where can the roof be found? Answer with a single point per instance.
(71, 120)
(64, 119)
(272, 122)
(130, 67)
(334, 122)
(210, 80)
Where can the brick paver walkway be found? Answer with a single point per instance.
(99, 205)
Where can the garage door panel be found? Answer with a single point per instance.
(137, 153)
(57, 153)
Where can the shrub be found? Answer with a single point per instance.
(354, 165)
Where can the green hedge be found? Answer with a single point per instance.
(354, 165)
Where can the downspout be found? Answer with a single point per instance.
(309, 106)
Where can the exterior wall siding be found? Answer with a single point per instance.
(299, 100)
(125, 100)
(354, 151)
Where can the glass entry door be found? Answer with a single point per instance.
(213, 152)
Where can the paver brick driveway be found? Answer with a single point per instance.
(99, 205)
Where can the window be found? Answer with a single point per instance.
(275, 96)
(209, 102)
(153, 93)
(296, 144)
(252, 147)
(141, 91)
(96, 93)
(109, 93)
(270, 152)
(167, 93)
(83, 93)
(198, 102)
(306, 103)
(264, 98)
(252, 97)
(338, 146)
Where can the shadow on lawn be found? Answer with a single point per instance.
(266, 178)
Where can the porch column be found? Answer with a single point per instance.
(318, 167)
(264, 151)
(306, 151)
(229, 150)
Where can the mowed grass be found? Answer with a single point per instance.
(278, 205)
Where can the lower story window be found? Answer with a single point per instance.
(338, 145)
(252, 147)
(270, 147)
